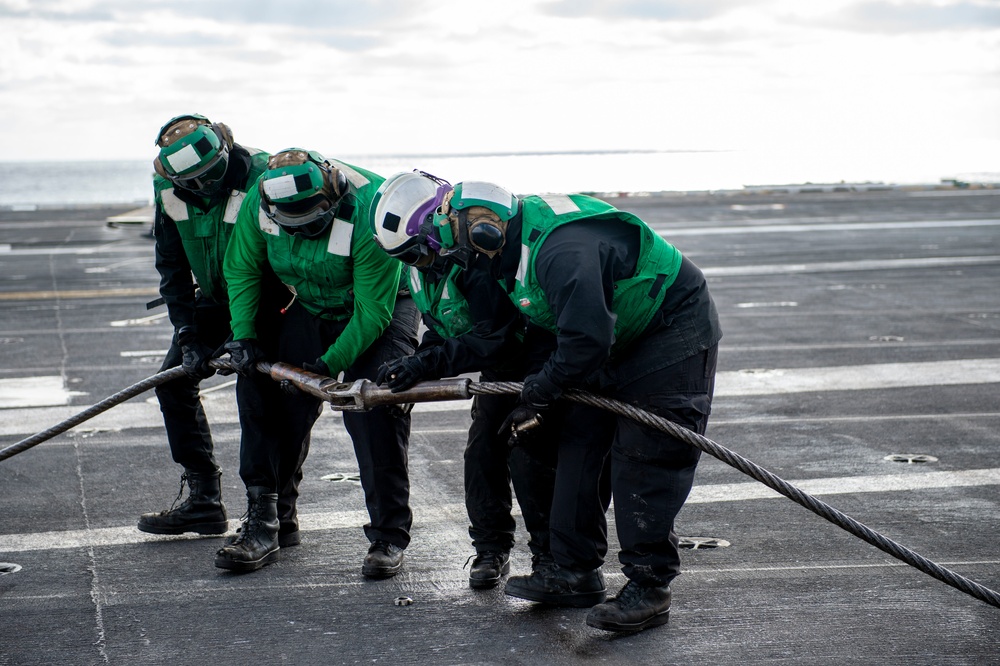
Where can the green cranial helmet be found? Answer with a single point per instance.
(300, 191)
(473, 219)
(194, 153)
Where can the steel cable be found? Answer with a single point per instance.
(654, 421)
(773, 482)
(91, 412)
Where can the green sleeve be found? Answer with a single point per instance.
(375, 283)
(245, 258)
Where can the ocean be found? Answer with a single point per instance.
(47, 184)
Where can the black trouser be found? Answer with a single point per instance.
(184, 419)
(575, 441)
(488, 499)
(276, 425)
(651, 471)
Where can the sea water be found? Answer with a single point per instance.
(31, 184)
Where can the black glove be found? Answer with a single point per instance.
(195, 354)
(402, 373)
(523, 424)
(537, 396)
(195, 358)
(318, 367)
(244, 356)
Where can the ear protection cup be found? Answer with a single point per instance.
(224, 133)
(486, 231)
(158, 168)
(337, 182)
(486, 237)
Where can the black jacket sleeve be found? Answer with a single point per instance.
(492, 338)
(577, 267)
(176, 280)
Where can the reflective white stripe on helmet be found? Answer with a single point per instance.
(183, 159)
(357, 180)
(340, 238)
(233, 207)
(173, 207)
(266, 225)
(560, 203)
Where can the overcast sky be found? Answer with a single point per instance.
(83, 79)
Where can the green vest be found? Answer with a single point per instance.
(444, 306)
(320, 271)
(636, 299)
(205, 234)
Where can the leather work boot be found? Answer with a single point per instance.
(541, 562)
(202, 511)
(257, 542)
(633, 609)
(288, 522)
(559, 586)
(288, 525)
(384, 560)
(487, 569)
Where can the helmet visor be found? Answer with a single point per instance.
(308, 218)
(208, 179)
(413, 252)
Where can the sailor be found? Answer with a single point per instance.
(307, 219)
(633, 320)
(201, 177)
(484, 333)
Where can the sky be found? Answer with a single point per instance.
(851, 79)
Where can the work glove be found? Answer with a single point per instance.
(317, 367)
(537, 396)
(523, 424)
(244, 356)
(195, 354)
(402, 373)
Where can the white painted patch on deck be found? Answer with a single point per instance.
(773, 381)
(34, 392)
(886, 483)
(456, 512)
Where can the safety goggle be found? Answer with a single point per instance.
(207, 179)
(309, 224)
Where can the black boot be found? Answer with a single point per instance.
(488, 568)
(288, 522)
(288, 525)
(202, 511)
(559, 586)
(257, 542)
(634, 608)
(383, 560)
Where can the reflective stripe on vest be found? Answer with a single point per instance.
(174, 208)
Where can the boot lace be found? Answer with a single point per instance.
(180, 492)
(629, 595)
(250, 517)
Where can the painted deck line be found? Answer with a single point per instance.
(847, 485)
(850, 266)
(221, 406)
(456, 512)
(820, 227)
(857, 377)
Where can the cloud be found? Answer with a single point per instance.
(658, 10)
(912, 17)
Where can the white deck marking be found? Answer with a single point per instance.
(857, 377)
(34, 392)
(849, 266)
(456, 512)
(221, 406)
(819, 227)
(886, 483)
